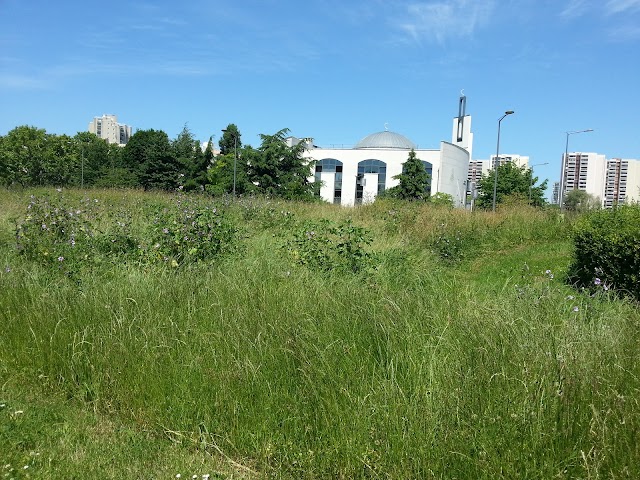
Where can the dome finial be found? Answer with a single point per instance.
(386, 126)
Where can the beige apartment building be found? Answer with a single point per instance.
(613, 181)
(108, 128)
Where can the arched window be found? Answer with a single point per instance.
(370, 166)
(331, 165)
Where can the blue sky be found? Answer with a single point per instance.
(333, 70)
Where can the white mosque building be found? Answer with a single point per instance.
(352, 176)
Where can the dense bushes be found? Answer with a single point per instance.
(71, 234)
(607, 250)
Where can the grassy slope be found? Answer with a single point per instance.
(475, 369)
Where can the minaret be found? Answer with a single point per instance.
(461, 135)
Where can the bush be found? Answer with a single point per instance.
(607, 251)
(327, 246)
(69, 235)
(190, 231)
(57, 233)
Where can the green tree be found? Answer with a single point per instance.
(59, 161)
(580, 201)
(91, 158)
(277, 169)
(188, 153)
(414, 180)
(220, 175)
(227, 142)
(22, 156)
(149, 155)
(512, 180)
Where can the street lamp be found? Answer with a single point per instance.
(531, 179)
(495, 175)
(82, 166)
(235, 156)
(564, 164)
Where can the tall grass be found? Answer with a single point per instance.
(421, 368)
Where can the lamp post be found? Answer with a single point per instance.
(495, 175)
(235, 156)
(82, 167)
(531, 179)
(564, 164)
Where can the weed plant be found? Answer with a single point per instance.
(485, 368)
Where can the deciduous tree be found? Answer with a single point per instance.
(512, 180)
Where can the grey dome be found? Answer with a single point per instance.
(386, 139)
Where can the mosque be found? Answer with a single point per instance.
(352, 176)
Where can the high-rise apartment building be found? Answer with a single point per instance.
(108, 128)
(555, 195)
(622, 181)
(612, 181)
(477, 168)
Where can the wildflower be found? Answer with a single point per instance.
(58, 190)
(597, 281)
(178, 475)
(7, 269)
(570, 297)
(575, 309)
(25, 467)
(165, 230)
(61, 258)
(44, 226)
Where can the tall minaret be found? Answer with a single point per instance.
(461, 135)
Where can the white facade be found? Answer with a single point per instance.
(352, 176)
(108, 128)
(583, 171)
(612, 181)
(622, 182)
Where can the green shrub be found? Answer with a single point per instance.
(67, 235)
(56, 233)
(325, 246)
(189, 231)
(455, 245)
(607, 251)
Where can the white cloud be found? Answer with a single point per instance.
(622, 6)
(439, 20)
(576, 8)
(21, 82)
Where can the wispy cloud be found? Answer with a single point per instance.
(11, 81)
(576, 8)
(622, 6)
(439, 20)
(624, 33)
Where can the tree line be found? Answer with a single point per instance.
(30, 156)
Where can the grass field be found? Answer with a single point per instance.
(454, 351)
